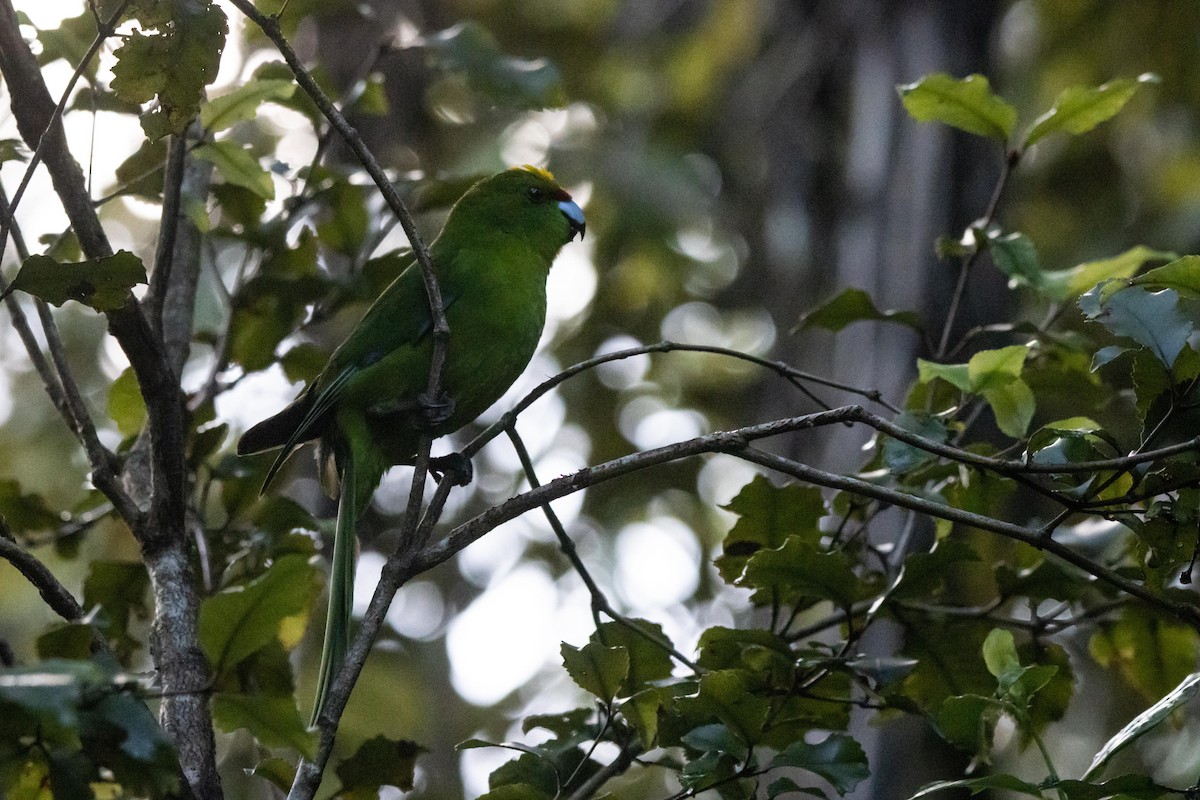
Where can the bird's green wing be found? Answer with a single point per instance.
(398, 319)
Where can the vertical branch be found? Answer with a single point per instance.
(160, 529)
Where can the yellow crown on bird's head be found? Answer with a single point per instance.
(541, 172)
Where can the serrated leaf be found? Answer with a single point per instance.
(967, 104)
(649, 662)
(996, 375)
(1078, 109)
(274, 721)
(768, 516)
(104, 284)
(726, 696)
(236, 622)
(597, 669)
(798, 569)
(379, 762)
(1152, 319)
(838, 759)
(1144, 722)
(238, 166)
(242, 103)
(171, 59)
(849, 306)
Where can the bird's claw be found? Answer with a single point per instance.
(455, 466)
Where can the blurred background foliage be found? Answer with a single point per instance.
(739, 160)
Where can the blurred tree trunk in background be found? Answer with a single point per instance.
(841, 190)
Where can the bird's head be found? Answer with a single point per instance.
(526, 201)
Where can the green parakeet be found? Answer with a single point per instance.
(491, 261)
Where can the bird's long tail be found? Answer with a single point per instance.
(341, 588)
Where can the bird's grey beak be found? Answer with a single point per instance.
(574, 215)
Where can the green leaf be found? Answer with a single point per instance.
(468, 49)
(53, 690)
(1000, 653)
(1153, 654)
(968, 722)
(642, 710)
(119, 732)
(726, 695)
(966, 104)
(126, 406)
(242, 103)
(344, 222)
(648, 662)
(274, 721)
(273, 607)
(852, 305)
(1078, 109)
(72, 640)
(797, 569)
(238, 166)
(13, 150)
(379, 762)
(954, 374)
(102, 283)
(995, 374)
(119, 589)
(1065, 284)
(901, 457)
(1126, 787)
(838, 759)
(1182, 275)
(172, 63)
(1152, 319)
(1143, 723)
(1016, 257)
(25, 513)
(371, 99)
(768, 516)
(1008, 783)
(882, 671)
(597, 669)
(716, 737)
(279, 771)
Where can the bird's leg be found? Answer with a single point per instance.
(454, 466)
(434, 410)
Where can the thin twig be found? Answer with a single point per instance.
(599, 599)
